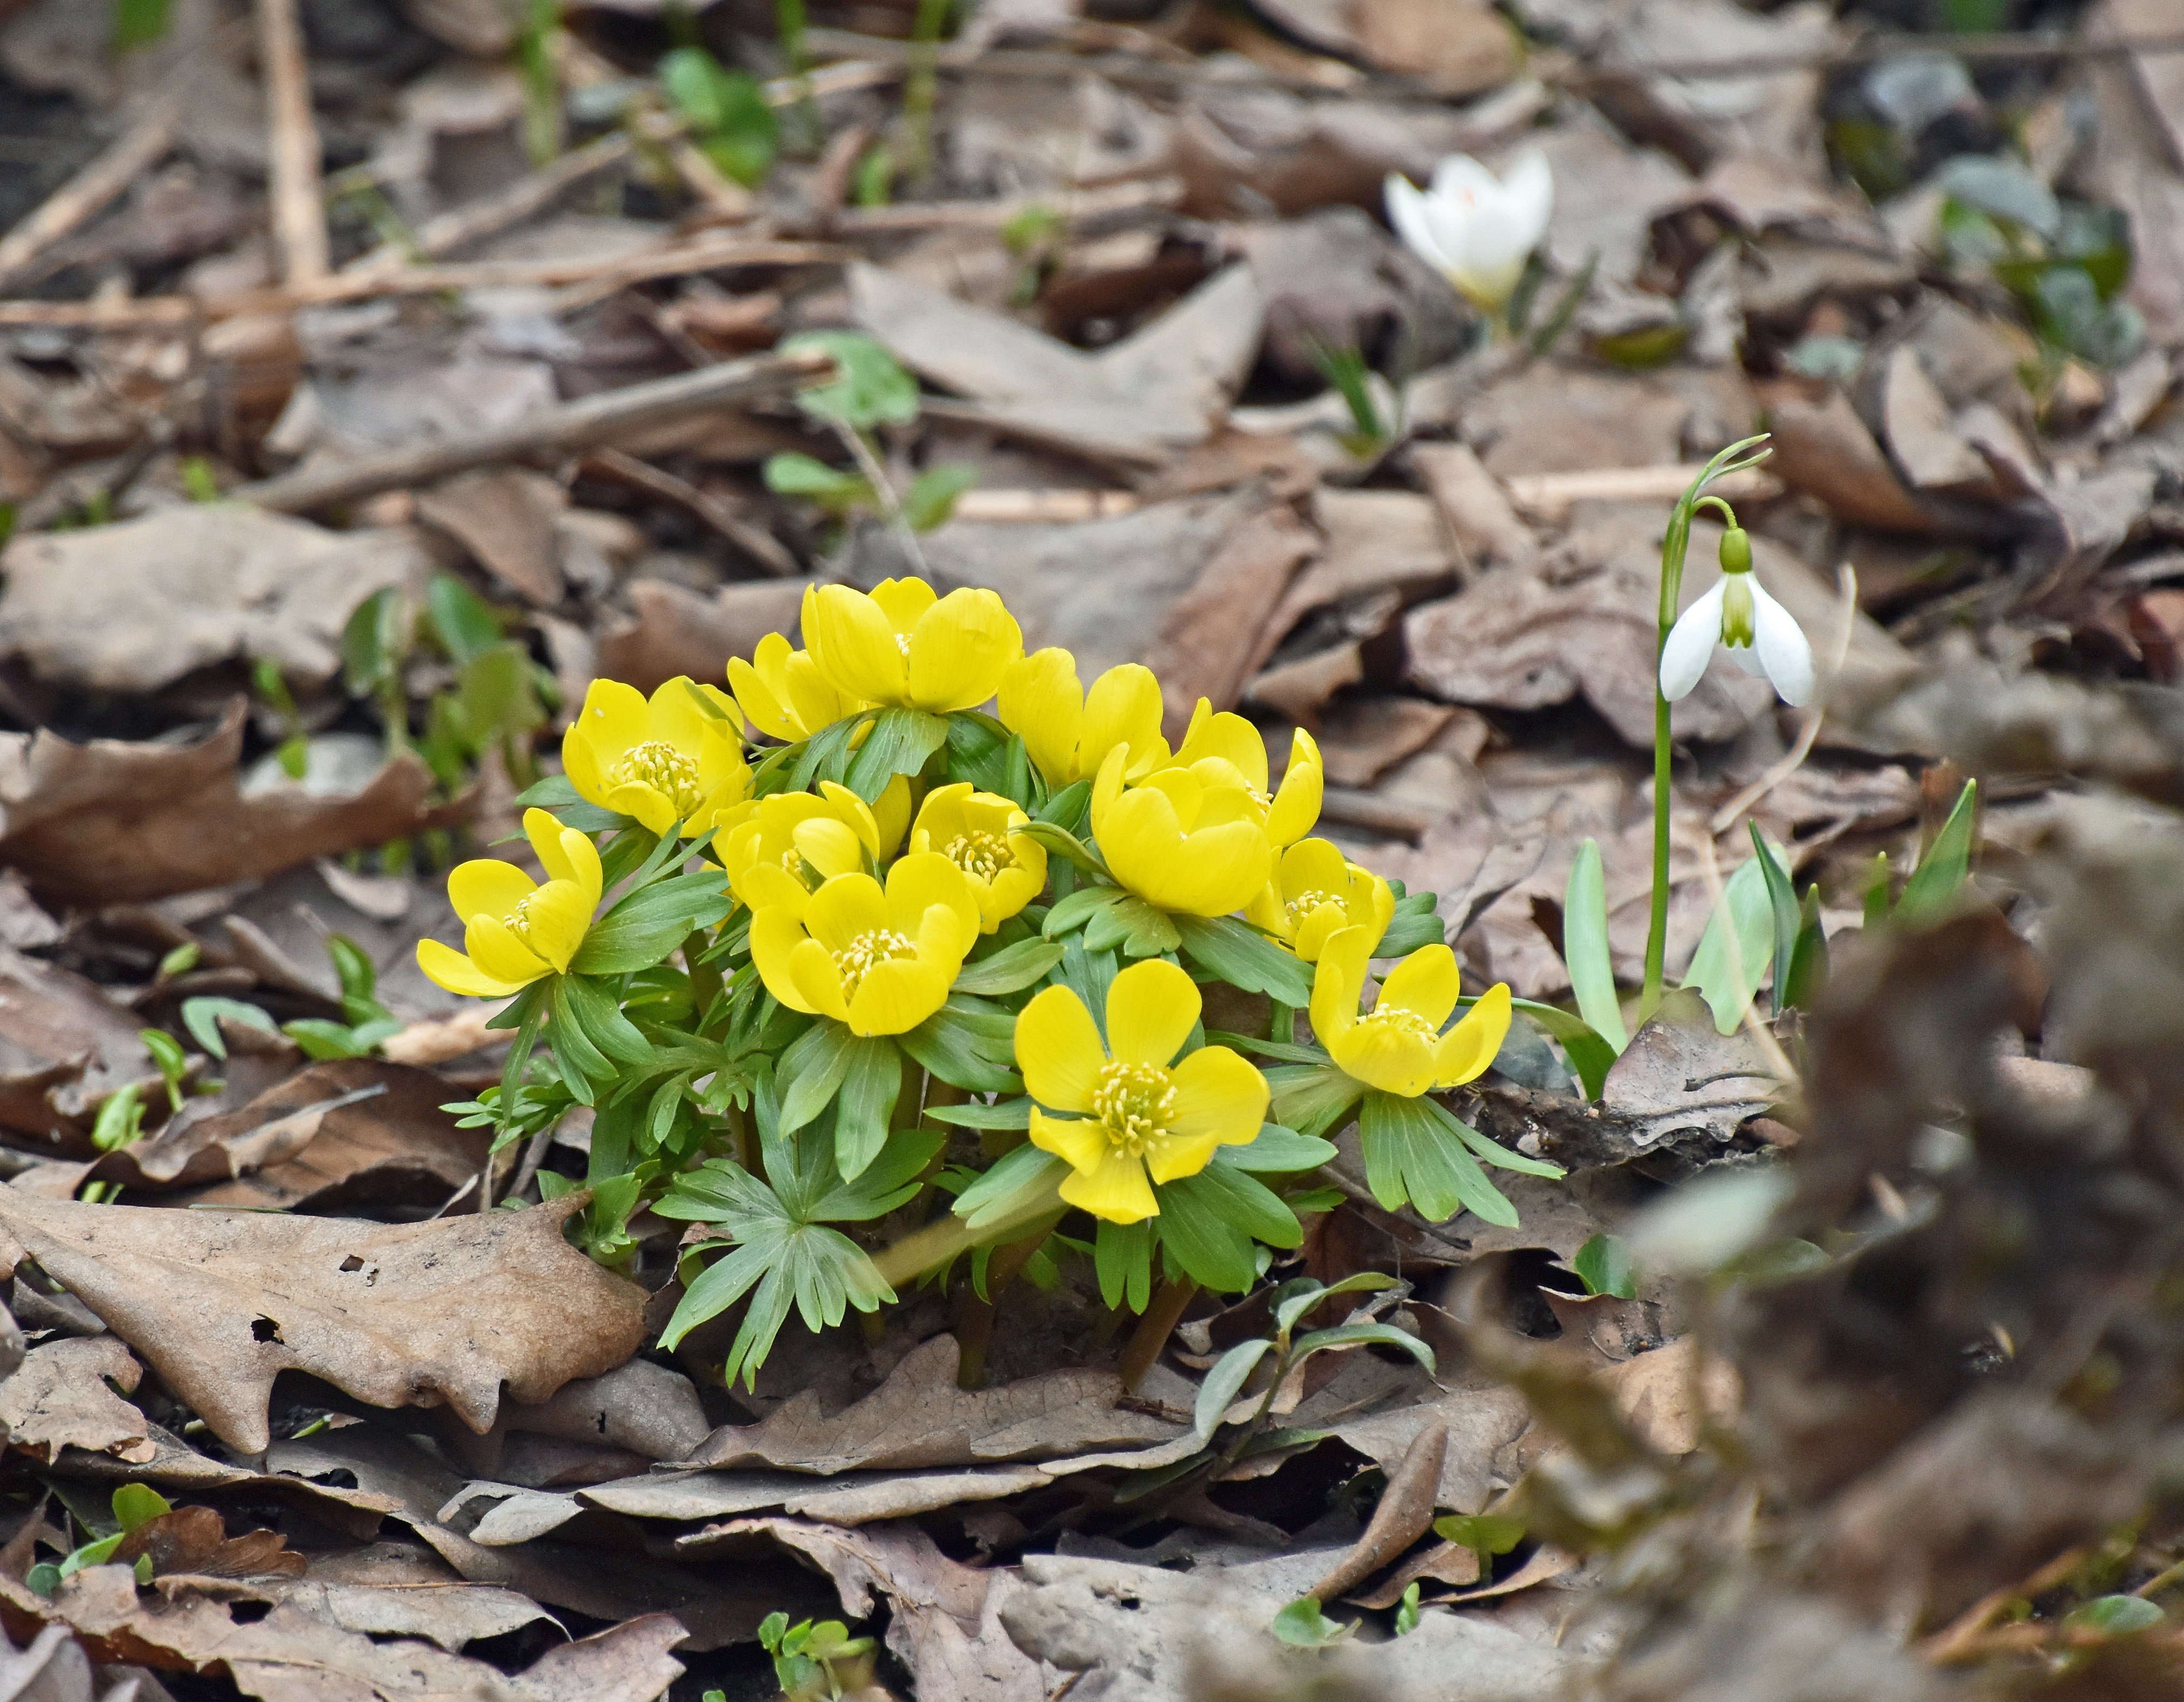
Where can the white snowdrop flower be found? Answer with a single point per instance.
(1475, 229)
(1762, 637)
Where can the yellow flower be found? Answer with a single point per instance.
(1233, 742)
(664, 761)
(513, 929)
(1316, 890)
(902, 645)
(1069, 730)
(976, 831)
(1179, 840)
(771, 845)
(1399, 1048)
(783, 693)
(1138, 1115)
(880, 958)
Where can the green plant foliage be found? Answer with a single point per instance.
(726, 112)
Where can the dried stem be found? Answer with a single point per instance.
(1154, 1329)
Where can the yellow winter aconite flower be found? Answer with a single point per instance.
(1069, 730)
(663, 761)
(880, 958)
(783, 693)
(1317, 890)
(1180, 840)
(902, 645)
(1398, 1046)
(513, 929)
(1139, 1116)
(776, 848)
(1234, 743)
(977, 833)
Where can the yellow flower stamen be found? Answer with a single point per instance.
(865, 953)
(980, 854)
(672, 773)
(518, 920)
(1409, 1021)
(1135, 1103)
(1307, 901)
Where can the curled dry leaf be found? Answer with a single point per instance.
(59, 1398)
(113, 820)
(401, 1314)
(135, 607)
(194, 1541)
(678, 631)
(64, 1046)
(1405, 1510)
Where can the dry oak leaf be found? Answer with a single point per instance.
(58, 1398)
(398, 1315)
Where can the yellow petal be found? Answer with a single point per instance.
(960, 650)
(898, 995)
(852, 643)
(447, 967)
(818, 980)
(1230, 738)
(848, 807)
(1467, 1048)
(487, 886)
(544, 833)
(1339, 982)
(813, 700)
(1117, 1191)
(672, 716)
(891, 814)
(1426, 982)
(903, 601)
(1220, 1096)
(829, 846)
(1383, 1056)
(580, 864)
(652, 810)
(580, 761)
(843, 907)
(1041, 702)
(1219, 871)
(1313, 865)
(761, 688)
(1123, 708)
(557, 916)
(1010, 890)
(775, 935)
(1107, 788)
(498, 953)
(768, 885)
(1295, 808)
(1314, 928)
(940, 818)
(1152, 1006)
(922, 879)
(1084, 1146)
(613, 719)
(1059, 1051)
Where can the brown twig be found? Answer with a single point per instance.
(571, 426)
(533, 192)
(142, 145)
(755, 542)
(300, 212)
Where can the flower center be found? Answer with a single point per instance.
(1737, 613)
(865, 953)
(668, 771)
(1135, 1103)
(902, 643)
(518, 920)
(1409, 1021)
(1306, 902)
(981, 856)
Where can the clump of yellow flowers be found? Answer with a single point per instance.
(908, 933)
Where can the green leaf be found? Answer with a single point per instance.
(1603, 1264)
(900, 742)
(1224, 1382)
(1589, 1055)
(1312, 1098)
(790, 473)
(645, 927)
(1736, 947)
(1411, 1155)
(1008, 1114)
(2114, 1615)
(1061, 843)
(1209, 1223)
(1492, 1151)
(1416, 922)
(1123, 1260)
(1303, 1625)
(464, 627)
(1486, 1534)
(1226, 948)
(1363, 1335)
(870, 1085)
(891, 1179)
(870, 386)
(202, 1015)
(1407, 1614)
(1932, 889)
(1074, 909)
(1016, 1185)
(138, 1504)
(1782, 901)
(812, 1070)
(1279, 1151)
(138, 22)
(1584, 948)
(931, 499)
(1134, 926)
(948, 1044)
(1809, 955)
(727, 111)
(1299, 1296)
(1012, 969)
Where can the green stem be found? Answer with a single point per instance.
(1154, 1329)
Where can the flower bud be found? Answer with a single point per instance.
(1736, 550)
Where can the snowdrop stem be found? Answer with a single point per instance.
(1673, 547)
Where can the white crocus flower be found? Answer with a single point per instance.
(1475, 229)
(1762, 637)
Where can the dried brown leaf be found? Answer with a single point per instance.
(1405, 1510)
(678, 631)
(58, 1398)
(398, 1315)
(504, 517)
(194, 1540)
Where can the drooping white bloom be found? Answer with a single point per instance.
(1475, 229)
(1762, 637)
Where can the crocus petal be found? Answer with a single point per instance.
(1217, 1094)
(1406, 212)
(1782, 646)
(447, 967)
(1529, 185)
(1459, 177)
(1042, 703)
(1426, 982)
(487, 886)
(1690, 643)
(896, 996)
(1152, 1006)
(1085, 1146)
(1338, 982)
(1058, 1050)
(1466, 1050)
(853, 644)
(1117, 1191)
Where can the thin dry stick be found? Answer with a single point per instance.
(1725, 817)
(883, 494)
(571, 426)
(531, 193)
(754, 540)
(299, 212)
(142, 145)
